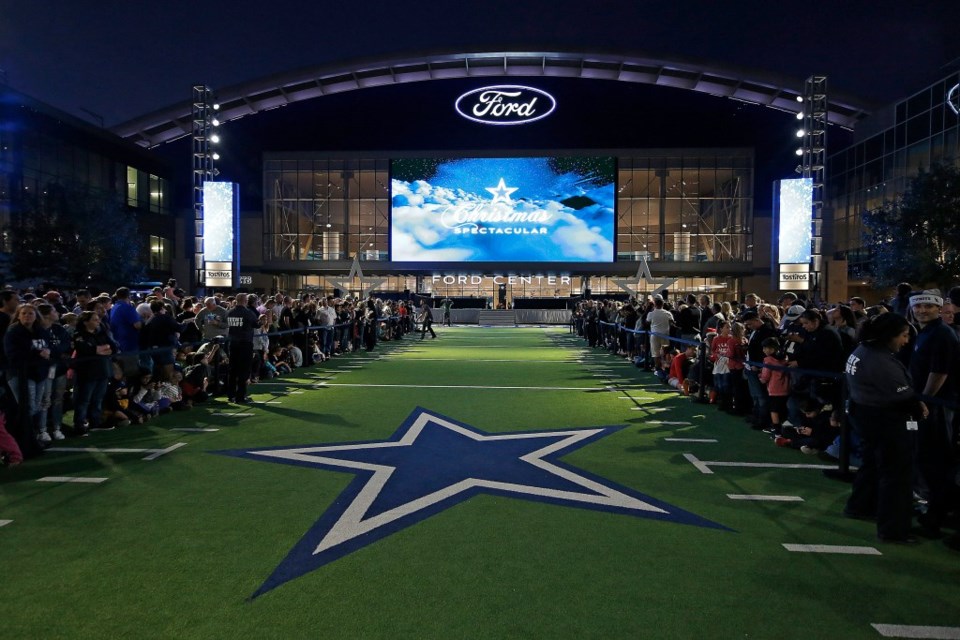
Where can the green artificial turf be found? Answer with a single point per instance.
(174, 547)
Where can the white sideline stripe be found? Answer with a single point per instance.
(194, 429)
(71, 479)
(351, 366)
(4, 523)
(224, 414)
(832, 548)
(163, 452)
(916, 631)
(690, 440)
(448, 386)
(266, 402)
(704, 465)
(406, 360)
(672, 422)
(746, 496)
(653, 409)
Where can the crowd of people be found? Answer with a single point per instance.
(120, 359)
(801, 372)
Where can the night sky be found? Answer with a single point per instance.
(121, 59)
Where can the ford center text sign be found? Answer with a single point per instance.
(505, 104)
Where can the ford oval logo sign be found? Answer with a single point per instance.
(505, 104)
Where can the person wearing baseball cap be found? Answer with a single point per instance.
(933, 362)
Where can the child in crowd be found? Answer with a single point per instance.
(727, 354)
(172, 394)
(278, 360)
(663, 363)
(777, 382)
(680, 367)
(145, 396)
(815, 432)
(116, 402)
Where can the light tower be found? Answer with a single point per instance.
(813, 166)
(204, 121)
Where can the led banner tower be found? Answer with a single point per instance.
(221, 233)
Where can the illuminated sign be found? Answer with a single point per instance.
(505, 104)
(953, 99)
(509, 279)
(795, 276)
(218, 274)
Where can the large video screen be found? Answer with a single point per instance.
(558, 209)
(796, 218)
(218, 221)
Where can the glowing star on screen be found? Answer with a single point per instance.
(501, 192)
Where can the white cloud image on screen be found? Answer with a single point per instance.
(514, 209)
(796, 213)
(218, 221)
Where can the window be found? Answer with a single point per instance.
(131, 187)
(160, 257)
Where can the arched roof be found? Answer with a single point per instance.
(273, 91)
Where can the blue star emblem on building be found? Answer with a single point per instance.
(432, 463)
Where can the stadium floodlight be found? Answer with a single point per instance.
(799, 152)
(215, 122)
(216, 156)
(799, 99)
(214, 138)
(800, 133)
(799, 115)
(216, 106)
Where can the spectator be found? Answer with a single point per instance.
(883, 404)
(934, 357)
(92, 371)
(125, 325)
(774, 377)
(27, 348)
(760, 330)
(211, 320)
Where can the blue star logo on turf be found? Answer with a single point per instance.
(501, 192)
(433, 463)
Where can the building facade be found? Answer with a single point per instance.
(43, 149)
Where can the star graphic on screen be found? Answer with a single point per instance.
(644, 275)
(501, 192)
(366, 284)
(433, 463)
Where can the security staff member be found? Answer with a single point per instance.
(241, 321)
(883, 409)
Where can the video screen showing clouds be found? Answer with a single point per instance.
(503, 209)
(796, 217)
(218, 221)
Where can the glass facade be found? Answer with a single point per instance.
(679, 205)
(915, 132)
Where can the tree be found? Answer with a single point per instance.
(916, 237)
(71, 237)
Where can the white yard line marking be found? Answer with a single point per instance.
(266, 402)
(689, 439)
(832, 548)
(4, 523)
(224, 414)
(163, 452)
(916, 631)
(449, 386)
(71, 479)
(704, 465)
(194, 429)
(678, 423)
(97, 450)
(651, 409)
(702, 468)
(746, 496)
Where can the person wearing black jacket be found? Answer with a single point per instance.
(92, 371)
(241, 321)
(759, 330)
(883, 407)
(161, 335)
(27, 348)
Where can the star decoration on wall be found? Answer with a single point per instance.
(366, 284)
(501, 192)
(644, 275)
